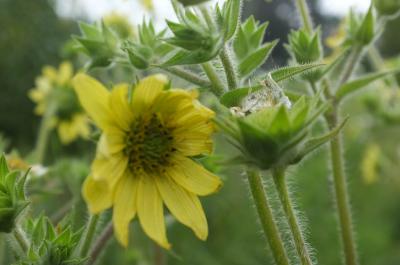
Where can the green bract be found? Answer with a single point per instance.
(98, 42)
(360, 30)
(277, 136)
(12, 196)
(191, 2)
(147, 50)
(305, 47)
(51, 245)
(248, 46)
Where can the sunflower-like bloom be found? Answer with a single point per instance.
(144, 155)
(55, 96)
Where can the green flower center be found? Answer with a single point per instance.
(149, 145)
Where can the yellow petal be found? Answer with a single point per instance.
(150, 211)
(109, 169)
(120, 107)
(114, 141)
(50, 73)
(184, 205)
(124, 207)
(93, 97)
(192, 145)
(65, 73)
(67, 132)
(194, 177)
(147, 90)
(97, 195)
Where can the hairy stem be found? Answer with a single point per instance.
(229, 68)
(351, 64)
(21, 239)
(217, 87)
(304, 11)
(266, 218)
(341, 194)
(299, 242)
(188, 76)
(339, 175)
(100, 244)
(88, 236)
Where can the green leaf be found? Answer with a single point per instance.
(366, 31)
(314, 143)
(3, 167)
(280, 126)
(90, 31)
(256, 59)
(362, 82)
(231, 10)
(291, 71)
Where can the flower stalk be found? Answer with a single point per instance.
(44, 133)
(229, 68)
(89, 235)
(101, 242)
(188, 76)
(21, 239)
(266, 218)
(217, 87)
(299, 241)
(304, 11)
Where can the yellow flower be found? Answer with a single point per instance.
(54, 93)
(120, 24)
(148, 4)
(143, 156)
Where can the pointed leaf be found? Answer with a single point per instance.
(256, 59)
(3, 167)
(291, 71)
(360, 83)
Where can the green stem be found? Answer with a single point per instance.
(88, 236)
(188, 76)
(266, 218)
(304, 11)
(159, 256)
(21, 239)
(217, 86)
(378, 64)
(44, 133)
(341, 194)
(351, 64)
(100, 244)
(229, 68)
(299, 242)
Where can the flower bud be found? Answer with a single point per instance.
(12, 197)
(387, 7)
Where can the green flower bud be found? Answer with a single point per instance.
(387, 7)
(12, 196)
(277, 135)
(305, 47)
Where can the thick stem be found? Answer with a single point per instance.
(44, 133)
(299, 242)
(229, 68)
(88, 236)
(217, 86)
(21, 239)
(100, 244)
(341, 194)
(188, 76)
(266, 218)
(304, 11)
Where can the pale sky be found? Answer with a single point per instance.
(95, 9)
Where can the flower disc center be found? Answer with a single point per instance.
(149, 144)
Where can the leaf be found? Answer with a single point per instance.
(231, 11)
(291, 71)
(360, 83)
(280, 125)
(3, 167)
(314, 143)
(90, 31)
(255, 59)
(365, 33)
